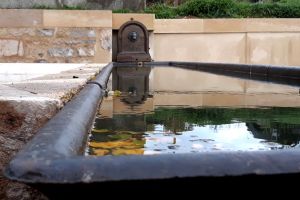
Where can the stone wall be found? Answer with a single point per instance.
(55, 37)
(85, 4)
(86, 37)
(134, 5)
(252, 41)
(61, 45)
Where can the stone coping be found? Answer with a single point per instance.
(55, 18)
(226, 25)
(147, 19)
(19, 18)
(106, 19)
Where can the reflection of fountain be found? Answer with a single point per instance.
(133, 82)
(134, 99)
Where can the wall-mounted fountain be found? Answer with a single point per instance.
(133, 43)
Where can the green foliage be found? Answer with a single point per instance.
(162, 11)
(277, 10)
(37, 6)
(207, 8)
(293, 2)
(215, 9)
(218, 116)
(228, 9)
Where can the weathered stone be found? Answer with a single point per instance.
(10, 48)
(19, 120)
(20, 18)
(3, 32)
(106, 4)
(27, 3)
(147, 19)
(41, 61)
(17, 32)
(23, 192)
(61, 52)
(117, 4)
(134, 5)
(78, 33)
(46, 32)
(106, 39)
(73, 2)
(73, 42)
(86, 52)
(94, 4)
(77, 18)
(21, 49)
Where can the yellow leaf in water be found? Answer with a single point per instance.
(117, 93)
(100, 152)
(117, 152)
(113, 144)
(100, 131)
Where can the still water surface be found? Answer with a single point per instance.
(198, 112)
(192, 130)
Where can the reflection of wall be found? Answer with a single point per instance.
(182, 80)
(172, 79)
(226, 100)
(216, 90)
(253, 41)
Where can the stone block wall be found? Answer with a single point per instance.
(85, 4)
(54, 45)
(56, 37)
(134, 5)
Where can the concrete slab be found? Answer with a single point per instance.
(13, 72)
(55, 81)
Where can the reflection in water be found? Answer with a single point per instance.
(192, 130)
(194, 112)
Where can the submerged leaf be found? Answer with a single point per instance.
(100, 131)
(117, 93)
(100, 152)
(129, 132)
(118, 152)
(114, 144)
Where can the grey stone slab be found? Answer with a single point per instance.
(91, 4)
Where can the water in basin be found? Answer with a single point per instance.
(192, 112)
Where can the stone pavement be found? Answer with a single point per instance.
(30, 94)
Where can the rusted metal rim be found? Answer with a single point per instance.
(55, 155)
